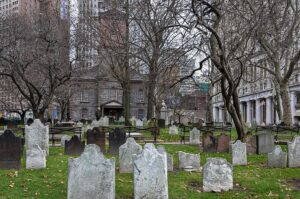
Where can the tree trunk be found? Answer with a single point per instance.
(286, 104)
(151, 98)
(277, 100)
(126, 102)
(209, 108)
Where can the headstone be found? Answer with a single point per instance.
(277, 158)
(217, 175)
(122, 119)
(126, 152)
(91, 175)
(161, 123)
(173, 130)
(97, 136)
(150, 174)
(223, 143)
(209, 142)
(10, 151)
(195, 137)
(37, 134)
(265, 142)
(105, 121)
(161, 150)
(133, 121)
(95, 123)
(294, 152)
(63, 139)
(239, 153)
(139, 123)
(116, 139)
(74, 146)
(189, 161)
(251, 142)
(35, 158)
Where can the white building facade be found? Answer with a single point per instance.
(257, 102)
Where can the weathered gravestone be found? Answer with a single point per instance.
(265, 142)
(91, 175)
(37, 134)
(150, 174)
(161, 123)
(126, 152)
(63, 139)
(223, 143)
(209, 142)
(97, 136)
(277, 158)
(161, 150)
(74, 146)
(173, 130)
(116, 139)
(122, 119)
(294, 152)
(188, 161)
(139, 123)
(35, 158)
(251, 142)
(133, 121)
(217, 175)
(239, 153)
(10, 151)
(194, 136)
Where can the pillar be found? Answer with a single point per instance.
(268, 111)
(293, 104)
(257, 111)
(249, 118)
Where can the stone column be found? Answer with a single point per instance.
(249, 117)
(214, 113)
(221, 119)
(293, 104)
(257, 111)
(242, 111)
(268, 110)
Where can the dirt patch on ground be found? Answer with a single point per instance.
(294, 184)
(197, 186)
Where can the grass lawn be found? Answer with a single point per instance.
(252, 181)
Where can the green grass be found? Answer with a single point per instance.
(252, 181)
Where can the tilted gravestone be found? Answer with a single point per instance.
(10, 151)
(91, 175)
(126, 152)
(239, 153)
(223, 143)
(188, 161)
(150, 174)
(74, 146)
(265, 142)
(209, 142)
(116, 139)
(173, 130)
(161, 150)
(35, 158)
(194, 136)
(63, 139)
(294, 152)
(217, 175)
(37, 134)
(277, 158)
(97, 136)
(251, 142)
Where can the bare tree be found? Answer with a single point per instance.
(278, 34)
(160, 41)
(34, 56)
(228, 28)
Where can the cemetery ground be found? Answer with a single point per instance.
(255, 180)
